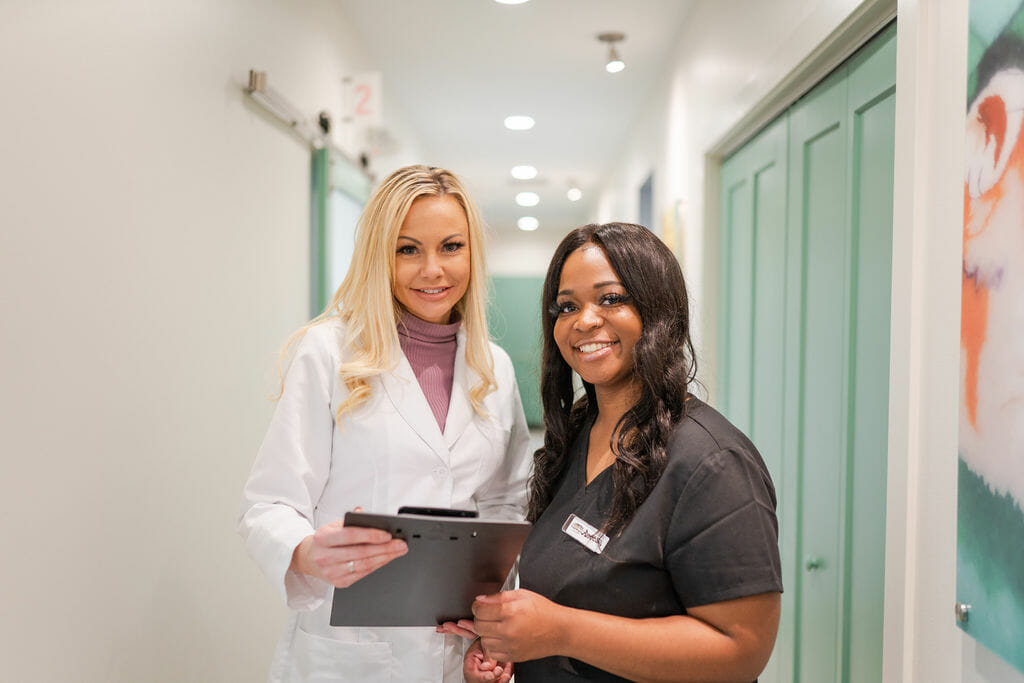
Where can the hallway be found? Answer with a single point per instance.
(156, 252)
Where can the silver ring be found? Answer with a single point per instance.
(351, 566)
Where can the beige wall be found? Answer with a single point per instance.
(153, 257)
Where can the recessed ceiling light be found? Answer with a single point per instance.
(528, 223)
(527, 199)
(519, 122)
(524, 172)
(510, 2)
(574, 194)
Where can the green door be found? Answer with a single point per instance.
(816, 387)
(806, 279)
(754, 209)
(871, 113)
(753, 285)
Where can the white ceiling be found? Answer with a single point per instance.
(456, 68)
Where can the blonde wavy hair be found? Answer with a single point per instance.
(365, 300)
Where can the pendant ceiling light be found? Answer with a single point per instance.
(614, 64)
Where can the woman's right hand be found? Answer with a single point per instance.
(477, 666)
(341, 555)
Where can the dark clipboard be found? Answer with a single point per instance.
(451, 560)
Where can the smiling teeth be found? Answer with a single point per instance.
(432, 291)
(590, 348)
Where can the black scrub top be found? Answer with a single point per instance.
(707, 532)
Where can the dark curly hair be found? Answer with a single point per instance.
(663, 361)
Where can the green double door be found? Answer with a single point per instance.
(806, 249)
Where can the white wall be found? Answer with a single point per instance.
(521, 253)
(922, 642)
(730, 56)
(153, 257)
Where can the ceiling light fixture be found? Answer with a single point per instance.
(574, 194)
(524, 172)
(510, 2)
(528, 223)
(527, 199)
(519, 122)
(614, 64)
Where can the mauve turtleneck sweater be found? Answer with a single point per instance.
(430, 348)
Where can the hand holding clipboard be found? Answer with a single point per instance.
(450, 560)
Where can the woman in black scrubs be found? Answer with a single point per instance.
(654, 552)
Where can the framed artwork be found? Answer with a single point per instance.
(673, 228)
(990, 517)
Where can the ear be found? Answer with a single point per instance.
(993, 127)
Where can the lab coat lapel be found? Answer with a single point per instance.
(403, 389)
(460, 409)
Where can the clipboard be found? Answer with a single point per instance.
(451, 560)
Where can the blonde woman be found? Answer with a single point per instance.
(393, 396)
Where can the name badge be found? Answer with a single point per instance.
(590, 537)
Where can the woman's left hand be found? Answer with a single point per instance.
(462, 627)
(478, 668)
(519, 625)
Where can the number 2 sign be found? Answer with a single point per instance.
(362, 99)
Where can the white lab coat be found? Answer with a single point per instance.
(388, 453)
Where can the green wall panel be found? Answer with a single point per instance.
(514, 317)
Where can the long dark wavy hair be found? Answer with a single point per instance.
(663, 362)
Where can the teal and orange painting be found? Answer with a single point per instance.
(990, 516)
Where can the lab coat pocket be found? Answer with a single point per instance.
(317, 659)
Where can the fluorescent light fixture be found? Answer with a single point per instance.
(528, 223)
(524, 172)
(527, 199)
(574, 194)
(519, 122)
(510, 2)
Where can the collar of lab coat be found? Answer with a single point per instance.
(404, 391)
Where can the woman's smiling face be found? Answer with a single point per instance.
(432, 258)
(597, 324)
